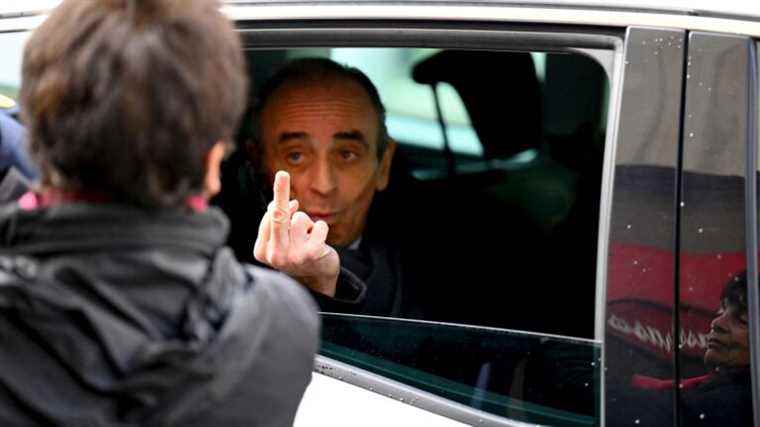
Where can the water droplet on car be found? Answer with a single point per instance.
(656, 52)
(643, 42)
(635, 262)
(688, 76)
(628, 226)
(700, 230)
(401, 399)
(719, 256)
(701, 416)
(585, 384)
(691, 134)
(683, 204)
(637, 421)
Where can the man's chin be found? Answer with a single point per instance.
(339, 240)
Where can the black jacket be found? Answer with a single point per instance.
(111, 315)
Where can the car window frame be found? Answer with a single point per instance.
(752, 228)
(598, 43)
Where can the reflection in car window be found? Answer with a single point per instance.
(690, 341)
(534, 378)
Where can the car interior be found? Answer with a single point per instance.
(512, 145)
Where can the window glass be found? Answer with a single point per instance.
(411, 112)
(11, 44)
(533, 378)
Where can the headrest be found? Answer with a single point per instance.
(500, 91)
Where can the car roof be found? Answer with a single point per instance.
(710, 8)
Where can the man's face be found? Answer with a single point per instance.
(325, 135)
(728, 341)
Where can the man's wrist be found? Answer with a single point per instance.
(324, 285)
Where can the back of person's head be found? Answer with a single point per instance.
(316, 70)
(734, 292)
(126, 97)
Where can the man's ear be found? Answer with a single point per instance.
(384, 171)
(212, 182)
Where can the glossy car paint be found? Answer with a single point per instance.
(715, 145)
(641, 258)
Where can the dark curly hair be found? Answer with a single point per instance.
(735, 291)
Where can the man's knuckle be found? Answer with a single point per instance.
(297, 258)
(276, 260)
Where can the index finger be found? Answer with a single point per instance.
(281, 190)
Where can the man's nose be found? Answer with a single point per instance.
(323, 178)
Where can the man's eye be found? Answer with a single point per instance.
(348, 156)
(294, 157)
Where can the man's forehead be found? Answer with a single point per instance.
(340, 104)
(327, 87)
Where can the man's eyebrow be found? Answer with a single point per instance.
(287, 136)
(353, 135)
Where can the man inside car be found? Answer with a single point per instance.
(324, 124)
(402, 251)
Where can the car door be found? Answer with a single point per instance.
(546, 368)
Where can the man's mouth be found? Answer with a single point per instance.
(328, 217)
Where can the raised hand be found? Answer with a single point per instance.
(291, 242)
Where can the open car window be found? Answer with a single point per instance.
(511, 141)
(537, 379)
(501, 320)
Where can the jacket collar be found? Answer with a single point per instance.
(86, 226)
